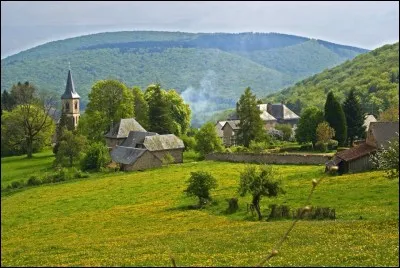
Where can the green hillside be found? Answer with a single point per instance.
(374, 75)
(225, 63)
(139, 218)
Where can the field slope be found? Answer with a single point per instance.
(139, 218)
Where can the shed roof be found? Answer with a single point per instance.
(126, 155)
(163, 142)
(70, 92)
(122, 129)
(384, 132)
(356, 152)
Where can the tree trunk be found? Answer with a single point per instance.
(29, 148)
(256, 204)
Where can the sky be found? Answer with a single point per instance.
(365, 24)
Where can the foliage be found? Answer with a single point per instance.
(324, 132)
(286, 130)
(258, 147)
(391, 114)
(168, 159)
(160, 120)
(141, 107)
(374, 75)
(388, 159)
(333, 144)
(180, 112)
(251, 126)
(354, 117)
(321, 146)
(207, 140)
(309, 120)
(189, 142)
(71, 146)
(96, 158)
(200, 184)
(7, 101)
(109, 101)
(336, 118)
(259, 183)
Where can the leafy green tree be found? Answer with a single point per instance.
(336, 118)
(388, 159)
(390, 115)
(207, 140)
(70, 148)
(141, 107)
(324, 132)
(96, 157)
(109, 101)
(354, 117)
(251, 126)
(200, 184)
(307, 126)
(180, 112)
(286, 130)
(259, 183)
(160, 120)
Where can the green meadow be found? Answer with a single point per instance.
(142, 218)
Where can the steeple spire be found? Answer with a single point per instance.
(70, 92)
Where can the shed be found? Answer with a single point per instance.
(161, 145)
(134, 158)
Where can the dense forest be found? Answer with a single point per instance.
(212, 68)
(374, 76)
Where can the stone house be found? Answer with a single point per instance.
(357, 159)
(134, 158)
(229, 131)
(281, 113)
(119, 132)
(218, 129)
(161, 145)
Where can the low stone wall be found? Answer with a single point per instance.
(310, 159)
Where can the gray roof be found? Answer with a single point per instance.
(384, 132)
(265, 116)
(70, 92)
(122, 129)
(234, 124)
(126, 155)
(280, 111)
(368, 119)
(163, 142)
(136, 137)
(218, 128)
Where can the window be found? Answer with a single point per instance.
(67, 107)
(76, 105)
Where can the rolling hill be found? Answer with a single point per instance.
(374, 75)
(212, 67)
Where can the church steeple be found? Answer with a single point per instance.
(70, 102)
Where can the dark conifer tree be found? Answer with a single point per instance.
(334, 115)
(354, 117)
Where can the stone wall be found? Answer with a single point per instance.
(310, 159)
(177, 154)
(145, 161)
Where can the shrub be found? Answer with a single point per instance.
(200, 184)
(97, 157)
(233, 205)
(239, 149)
(333, 144)
(321, 146)
(189, 142)
(17, 184)
(33, 180)
(286, 130)
(168, 159)
(258, 147)
(306, 147)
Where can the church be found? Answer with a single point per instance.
(70, 103)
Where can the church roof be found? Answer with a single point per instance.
(70, 92)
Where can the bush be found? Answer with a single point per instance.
(189, 142)
(239, 149)
(333, 144)
(321, 146)
(33, 180)
(286, 130)
(200, 184)
(168, 159)
(306, 147)
(233, 205)
(17, 184)
(97, 157)
(258, 147)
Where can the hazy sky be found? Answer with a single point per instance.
(366, 24)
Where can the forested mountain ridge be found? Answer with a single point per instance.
(209, 67)
(374, 75)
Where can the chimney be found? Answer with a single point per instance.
(269, 107)
(282, 102)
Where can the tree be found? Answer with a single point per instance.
(388, 159)
(307, 126)
(141, 107)
(286, 130)
(29, 123)
(160, 120)
(207, 140)
(258, 184)
(7, 101)
(96, 158)
(390, 115)
(334, 115)
(200, 184)
(324, 132)
(354, 117)
(71, 146)
(251, 126)
(180, 112)
(109, 101)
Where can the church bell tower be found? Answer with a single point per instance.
(70, 102)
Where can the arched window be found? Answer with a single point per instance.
(76, 105)
(67, 106)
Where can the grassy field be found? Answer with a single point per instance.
(139, 218)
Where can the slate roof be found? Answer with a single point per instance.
(70, 92)
(280, 111)
(136, 137)
(163, 142)
(234, 124)
(368, 119)
(355, 152)
(384, 132)
(218, 128)
(122, 129)
(265, 116)
(126, 155)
